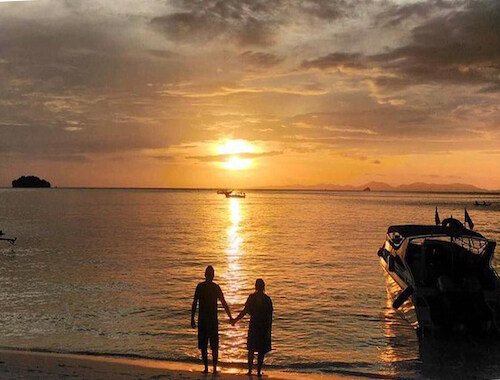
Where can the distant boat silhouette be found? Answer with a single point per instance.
(483, 203)
(235, 194)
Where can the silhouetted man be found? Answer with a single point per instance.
(207, 293)
(260, 308)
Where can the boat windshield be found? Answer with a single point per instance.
(472, 244)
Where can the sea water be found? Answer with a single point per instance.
(113, 271)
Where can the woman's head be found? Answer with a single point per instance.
(260, 285)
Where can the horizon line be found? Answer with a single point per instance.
(280, 189)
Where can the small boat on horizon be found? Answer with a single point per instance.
(440, 276)
(483, 203)
(235, 194)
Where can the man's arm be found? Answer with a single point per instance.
(225, 305)
(193, 308)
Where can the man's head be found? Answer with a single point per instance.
(209, 273)
(260, 285)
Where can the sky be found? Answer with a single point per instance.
(250, 93)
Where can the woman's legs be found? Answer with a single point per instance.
(260, 362)
(250, 362)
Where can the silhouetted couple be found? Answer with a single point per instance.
(258, 305)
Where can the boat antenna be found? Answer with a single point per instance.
(436, 217)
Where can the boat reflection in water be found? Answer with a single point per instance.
(400, 354)
(233, 344)
(434, 357)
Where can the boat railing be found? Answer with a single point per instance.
(473, 244)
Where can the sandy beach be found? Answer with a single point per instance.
(18, 364)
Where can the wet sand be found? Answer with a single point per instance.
(16, 364)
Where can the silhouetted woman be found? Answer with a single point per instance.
(260, 308)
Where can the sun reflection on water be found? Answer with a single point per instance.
(234, 279)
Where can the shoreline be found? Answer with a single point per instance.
(40, 364)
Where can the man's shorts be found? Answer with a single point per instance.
(205, 335)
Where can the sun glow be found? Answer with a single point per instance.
(236, 163)
(234, 150)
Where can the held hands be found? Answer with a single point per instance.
(232, 321)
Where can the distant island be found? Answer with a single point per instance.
(30, 181)
(382, 186)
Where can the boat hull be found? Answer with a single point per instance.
(428, 309)
(395, 285)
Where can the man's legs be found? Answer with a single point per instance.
(260, 362)
(214, 345)
(203, 345)
(250, 362)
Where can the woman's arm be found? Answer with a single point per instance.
(242, 314)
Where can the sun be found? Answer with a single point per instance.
(237, 154)
(235, 163)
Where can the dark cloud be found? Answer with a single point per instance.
(462, 46)
(396, 14)
(260, 59)
(164, 158)
(245, 22)
(248, 22)
(328, 9)
(337, 60)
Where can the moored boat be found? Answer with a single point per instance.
(440, 276)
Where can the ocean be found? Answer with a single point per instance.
(113, 271)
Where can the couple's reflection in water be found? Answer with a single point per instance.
(258, 305)
(437, 356)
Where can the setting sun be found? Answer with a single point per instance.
(235, 163)
(232, 149)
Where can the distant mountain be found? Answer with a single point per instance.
(434, 187)
(382, 186)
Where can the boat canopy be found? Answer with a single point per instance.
(414, 230)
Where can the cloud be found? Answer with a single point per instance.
(164, 158)
(244, 22)
(216, 90)
(396, 14)
(260, 59)
(224, 157)
(458, 47)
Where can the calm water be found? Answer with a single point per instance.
(114, 271)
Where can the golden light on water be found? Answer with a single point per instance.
(234, 149)
(235, 278)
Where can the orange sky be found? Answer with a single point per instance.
(97, 93)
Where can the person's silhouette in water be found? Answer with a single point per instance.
(208, 293)
(260, 308)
